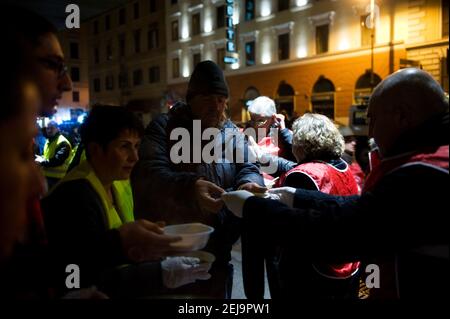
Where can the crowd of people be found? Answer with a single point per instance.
(103, 205)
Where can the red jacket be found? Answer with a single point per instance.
(436, 157)
(329, 179)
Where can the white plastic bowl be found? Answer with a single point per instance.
(194, 236)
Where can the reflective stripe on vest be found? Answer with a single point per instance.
(50, 151)
(115, 216)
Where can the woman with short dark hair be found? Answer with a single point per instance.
(89, 216)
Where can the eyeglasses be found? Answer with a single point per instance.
(259, 122)
(59, 67)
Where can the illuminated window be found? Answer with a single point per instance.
(76, 96)
(153, 74)
(366, 33)
(137, 77)
(74, 50)
(283, 46)
(152, 4)
(283, 5)
(137, 41)
(220, 17)
(123, 79)
(250, 53)
(96, 85)
(322, 98)
(444, 18)
(122, 45)
(196, 59)
(109, 51)
(95, 27)
(175, 33)
(196, 24)
(322, 33)
(75, 74)
(153, 38)
(107, 22)
(109, 83)
(175, 68)
(122, 18)
(249, 10)
(96, 55)
(220, 57)
(136, 10)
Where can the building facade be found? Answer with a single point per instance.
(127, 57)
(76, 55)
(308, 55)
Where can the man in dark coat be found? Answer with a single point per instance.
(166, 188)
(402, 206)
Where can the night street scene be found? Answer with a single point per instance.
(226, 155)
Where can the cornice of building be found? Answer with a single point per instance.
(429, 44)
(313, 59)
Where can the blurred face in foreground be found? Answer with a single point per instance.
(51, 73)
(17, 167)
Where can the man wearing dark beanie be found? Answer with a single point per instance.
(207, 78)
(185, 192)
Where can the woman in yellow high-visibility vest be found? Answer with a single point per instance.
(90, 222)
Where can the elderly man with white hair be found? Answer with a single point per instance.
(269, 147)
(402, 206)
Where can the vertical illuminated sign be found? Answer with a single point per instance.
(230, 35)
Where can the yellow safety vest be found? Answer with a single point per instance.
(49, 152)
(116, 216)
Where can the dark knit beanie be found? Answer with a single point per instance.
(207, 78)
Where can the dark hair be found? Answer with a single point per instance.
(22, 30)
(105, 122)
(17, 62)
(29, 24)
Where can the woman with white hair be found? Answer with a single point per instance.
(318, 147)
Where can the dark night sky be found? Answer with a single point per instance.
(54, 10)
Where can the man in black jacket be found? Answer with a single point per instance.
(189, 191)
(402, 207)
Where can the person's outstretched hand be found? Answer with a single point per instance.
(180, 271)
(253, 188)
(235, 201)
(284, 195)
(207, 195)
(143, 240)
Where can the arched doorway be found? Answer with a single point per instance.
(364, 86)
(322, 98)
(285, 99)
(250, 94)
